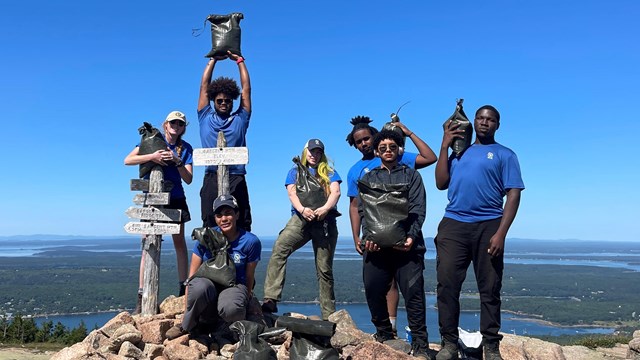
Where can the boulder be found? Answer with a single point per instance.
(347, 333)
(155, 331)
(373, 350)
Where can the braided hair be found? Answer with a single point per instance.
(359, 123)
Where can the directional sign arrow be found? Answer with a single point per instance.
(221, 156)
(151, 199)
(151, 228)
(153, 213)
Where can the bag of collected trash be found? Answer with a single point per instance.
(311, 339)
(220, 268)
(391, 124)
(225, 34)
(459, 145)
(470, 345)
(385, 208)
(252, 346)
(308, 188)
(151, 141)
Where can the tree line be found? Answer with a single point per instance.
(23, 330)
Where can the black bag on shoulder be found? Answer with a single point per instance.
(386, 208)
(225, 34)
(220, 268)
(308, 188)
(459, 145)
(152, 141)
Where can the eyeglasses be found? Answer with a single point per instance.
(224, 101)
(177, 122)
(384, 148)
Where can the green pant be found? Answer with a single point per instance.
(297, 232)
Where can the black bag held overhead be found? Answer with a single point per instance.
(220, 268)
(385, 207)
(152, 141)
(308, 188)
(225, 34)
(459, 117)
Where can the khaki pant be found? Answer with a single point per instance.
(297, 232)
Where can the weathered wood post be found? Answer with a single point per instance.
(221, 156)
(223, 172)
(152, 231)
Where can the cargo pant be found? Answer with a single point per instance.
(208, 303)
(297, 232)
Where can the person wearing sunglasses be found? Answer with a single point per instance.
(361, 137)
(474, 227)
(222, 92)
(308, 222)
(401, 257)
(177, 166)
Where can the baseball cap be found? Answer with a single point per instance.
(314, 144)
(176, 115)
(225, 200)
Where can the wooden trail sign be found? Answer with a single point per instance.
(143, 185)
(149, 228)
(153, 213)
(160, 198)
(221, 156)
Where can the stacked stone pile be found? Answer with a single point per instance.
(139, 337)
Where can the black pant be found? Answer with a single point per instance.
(237, 188)
(457, 245)
(379, 269)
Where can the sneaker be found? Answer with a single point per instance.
(449, 351)
(175, 332)
(269, 306)
(492, 351)
(421, 350)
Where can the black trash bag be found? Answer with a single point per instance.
(391, 124)
(225, 34)
(220, 268)
(252, 346)
(459, 145)
(311, 347)
(386, 209)
(308, 188)
(305, 326)
(152, 141)
(470, 345)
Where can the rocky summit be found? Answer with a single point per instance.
(144, 337)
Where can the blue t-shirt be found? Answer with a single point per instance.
(245, 249)
(293, 173)
(170, 172)
(479, 180)
(233, 127)
(362, 167)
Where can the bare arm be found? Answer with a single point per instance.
(186, 173)
(245, 82)
(203, 99)
(157, 157)
(426, 156)
(355, 223)
(251, 276)
(496, 244)
(332, 200)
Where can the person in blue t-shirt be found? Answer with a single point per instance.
(307, 222)
(177, 166)
(361, 137)
(208, 303)
(234, 125)
(474, 227)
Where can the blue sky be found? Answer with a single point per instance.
(79, 78)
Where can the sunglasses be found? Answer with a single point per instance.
(224, 101)
(177, 122)
(384, 148)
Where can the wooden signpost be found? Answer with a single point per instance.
(161, 221)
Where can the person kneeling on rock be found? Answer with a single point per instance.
(210, 304)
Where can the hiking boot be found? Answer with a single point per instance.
(138, 309)
(449, 351)
(175, 332)
(381, 337)
(269, 306)
(492, 351)
(421, 350)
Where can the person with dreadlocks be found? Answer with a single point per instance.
(233, 124)
(361, 137)
(177, 166)
(307, 222)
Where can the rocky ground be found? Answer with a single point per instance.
(138, 337)
(23, 354)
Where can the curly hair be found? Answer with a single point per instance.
(387, 134)
(359, 123)
(223, 85)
